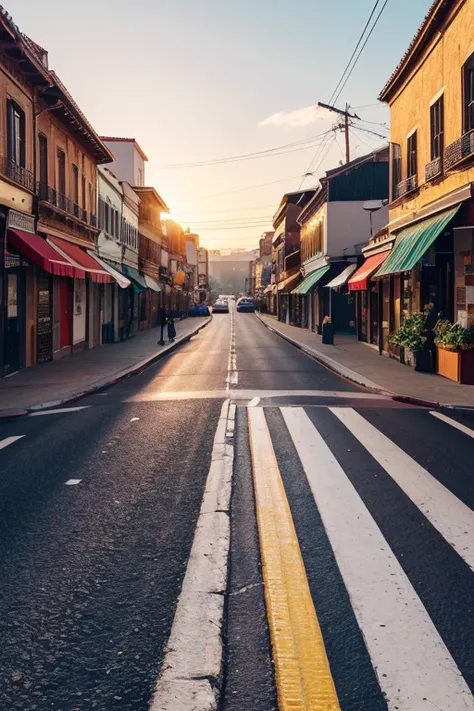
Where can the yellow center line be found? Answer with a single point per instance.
(303, 677)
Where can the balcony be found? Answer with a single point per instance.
(407, 186)
(50, 195)
(460, 151)
(434, 169)
(17, 174)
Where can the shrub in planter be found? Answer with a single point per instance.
(455, 351)
(414, 335)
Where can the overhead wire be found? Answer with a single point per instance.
(277, 150)
(332, 100)
(374, 25)
(239, 190)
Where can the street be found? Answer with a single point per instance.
(360, 507)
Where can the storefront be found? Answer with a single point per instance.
(367, 294)
(301, 296)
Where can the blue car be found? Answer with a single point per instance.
(245, 305)
(198, 310)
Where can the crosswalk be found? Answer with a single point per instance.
(403, 545)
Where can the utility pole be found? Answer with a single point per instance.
(345, 126)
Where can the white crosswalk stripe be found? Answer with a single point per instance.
(450, 516)
(454, 423)
(412, 662)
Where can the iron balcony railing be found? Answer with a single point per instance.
(459, 151)
(48, 194)
(434, 169)
(17, 173)
(407, 186)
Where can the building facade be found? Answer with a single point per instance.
(431, 211)
(349, 205)
(286, 255)
(51, 282)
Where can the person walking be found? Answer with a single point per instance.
(171, 330)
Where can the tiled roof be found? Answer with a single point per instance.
(120, 139)
(107, 155)
(445, 6)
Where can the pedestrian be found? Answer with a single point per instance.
(171, 330)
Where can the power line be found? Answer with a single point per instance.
(332, 100)
(310, 168)
(230, 209)
(373, 133)
(357, 136)
(362, 48)
(277, 150)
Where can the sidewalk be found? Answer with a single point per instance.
(67, 379)
(362, 364)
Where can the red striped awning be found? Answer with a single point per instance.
(37, 250)
(81, 259)
(359, 280)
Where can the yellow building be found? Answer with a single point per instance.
(431, 211)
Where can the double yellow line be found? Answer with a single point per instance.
(303, 677)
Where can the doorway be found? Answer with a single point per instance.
(65, 299)
(14, 356)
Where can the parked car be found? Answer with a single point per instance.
(199, 310)
(221, 306)
(245, 305)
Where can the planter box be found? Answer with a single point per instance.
(456, 365)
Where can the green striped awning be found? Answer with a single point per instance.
(412, 243)
(310, 281)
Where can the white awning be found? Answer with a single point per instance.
(342, 278)
(121, 280)
(151, 283)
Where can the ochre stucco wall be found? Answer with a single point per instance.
(440, 69)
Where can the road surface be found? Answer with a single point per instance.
(361, 509)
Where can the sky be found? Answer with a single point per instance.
(194, 81)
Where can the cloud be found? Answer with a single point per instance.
(298, 117)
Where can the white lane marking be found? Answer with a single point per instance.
(254, 402)
(453, 423)
(450, 516)
(232, 373)
(194, 651)
(9, 440)
(412, 662)
(249, 394)
(134, 419)
(59, 411)
(73, 482)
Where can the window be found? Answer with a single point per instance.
(75, 184)
(107, 218)
(61, 179)
(437, 128)
(468, 85)
(16, 134)
(43, 166)
(117, 230)
(412, 158)
(84, 197)
(396, 168)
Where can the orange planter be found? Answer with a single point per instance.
(456, 365)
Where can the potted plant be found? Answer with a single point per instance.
(455, 346)
(413, 336)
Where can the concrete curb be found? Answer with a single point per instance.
(352, 375)
(6, 415)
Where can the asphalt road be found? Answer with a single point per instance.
(98, 509)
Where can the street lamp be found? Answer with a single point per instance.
(372, 206)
